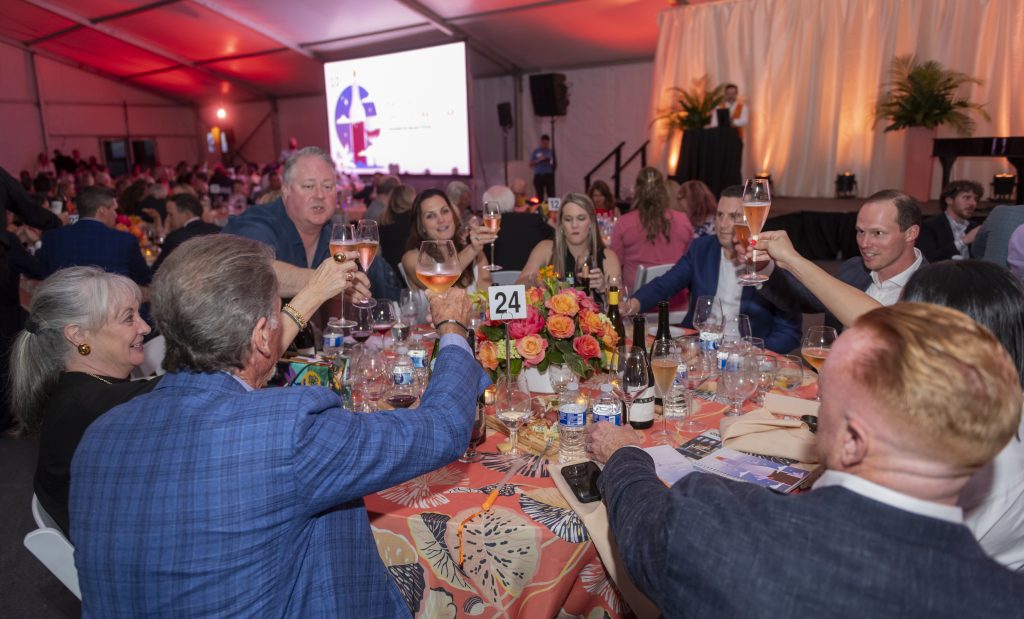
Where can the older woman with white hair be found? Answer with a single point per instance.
(72, 362)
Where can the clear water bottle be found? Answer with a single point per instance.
(607, 407)
(333, 337)
(419, 360)
(572, 423)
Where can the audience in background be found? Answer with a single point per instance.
(604, 201)
(434, 219)
(651, 233)
(380, 201)
(699, 204)
(950, 234)
(395, 223)
(992, 241)
(184, 221)
(461, 198)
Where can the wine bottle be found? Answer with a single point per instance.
(613, 313)
(663, 335)
(641, 413)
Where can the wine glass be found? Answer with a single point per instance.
(741, 236)
(736, 329)
(560, 376)
(371, 374)
(407, 306)
(815, 346)
(754, 344)
(664, 365)
(437, 265)
(343, 240)
(757, 200)
(698, 369)
(362, 329)
(709, 321)
(382, 318)
(403, 324)
(790, 372)
(492, 221)
(739, 379)
(634, 375)
(767, 366)
(367, 244)
(513, 408)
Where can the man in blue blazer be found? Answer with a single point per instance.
(710, 268)
(915, 399)
(211, 497)
(93, 241)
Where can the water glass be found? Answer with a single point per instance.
(766, 368)
(790, 372)
(560, 376)
(738, 379)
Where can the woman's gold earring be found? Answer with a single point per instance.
(84, 349)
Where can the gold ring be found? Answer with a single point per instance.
(339, 257)
(348, 277)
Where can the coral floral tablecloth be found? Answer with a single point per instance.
(530, 556)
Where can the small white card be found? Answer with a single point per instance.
(554, 205)
(507, 302)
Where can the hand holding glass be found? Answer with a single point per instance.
(492, 221)
(343, 240)
(757, 200)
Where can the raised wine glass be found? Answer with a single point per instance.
(757, 201)
(437, 266)
(664, 365)
(343, 240)
(492, 221)
(367, 244)
(741, 236)
(816, 344)
(697, 367)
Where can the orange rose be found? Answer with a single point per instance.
(532, 348)
(487, 354)
(560, 326)
(610, 339)
(591, 323)
(564, 303)
(587, 347)
(535, 296)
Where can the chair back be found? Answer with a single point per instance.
(504, 278)
(646, 274)
(52, 548)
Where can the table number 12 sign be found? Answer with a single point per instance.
(507, 302)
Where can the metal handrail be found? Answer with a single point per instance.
(617, 153)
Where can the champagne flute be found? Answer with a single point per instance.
(492, 221)
(437, 265)
(664, 364)
(741, 236)
(815, 347)
(368, 242)
(696, 371)
(757, 201)
(343, 240)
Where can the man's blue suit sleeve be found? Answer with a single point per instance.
(342, 456)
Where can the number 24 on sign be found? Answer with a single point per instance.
(507, 302)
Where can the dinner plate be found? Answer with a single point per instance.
(673, 331)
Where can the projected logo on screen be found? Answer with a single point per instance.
(355, 122)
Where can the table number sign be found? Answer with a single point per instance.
(507, 302)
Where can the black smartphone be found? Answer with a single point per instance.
(582, 478)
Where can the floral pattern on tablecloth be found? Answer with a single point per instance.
(427, 490)
(546, 506)
(534, 466)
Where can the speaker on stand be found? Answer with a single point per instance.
(550, 96)
(505, 120)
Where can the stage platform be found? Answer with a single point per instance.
(784, 205)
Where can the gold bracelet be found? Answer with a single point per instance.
(294, 314)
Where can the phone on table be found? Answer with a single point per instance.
(582, 479)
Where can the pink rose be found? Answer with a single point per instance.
(532, 348)
(584, 301)
(560, 326)
(587, 347)
(531, 325)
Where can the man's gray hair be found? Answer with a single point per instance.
(208, 296)
(309, 151)
(503, 196)
(82, 296)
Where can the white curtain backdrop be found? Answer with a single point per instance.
(811, 72)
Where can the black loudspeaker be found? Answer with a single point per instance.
(550, 94)
(505, 115)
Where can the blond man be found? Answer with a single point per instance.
(915, 399)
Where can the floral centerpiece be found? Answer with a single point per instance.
(562, 325)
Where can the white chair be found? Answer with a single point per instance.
(646, 274)
(153, 352)
(504, 278)
(52, 549)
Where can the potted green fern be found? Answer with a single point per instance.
(692, 109)
(919, 97)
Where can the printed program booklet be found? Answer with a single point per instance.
(773, 473)
(700, 446)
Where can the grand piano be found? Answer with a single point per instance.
(948, 149)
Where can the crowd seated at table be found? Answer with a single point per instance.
(201, 493)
